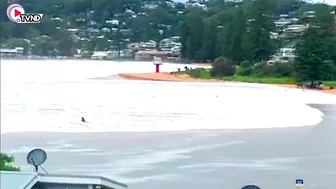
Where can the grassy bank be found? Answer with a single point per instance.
(330, 83)
(270, 80)
(202, 73)
(254, 79)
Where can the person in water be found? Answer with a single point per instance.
(83, 120)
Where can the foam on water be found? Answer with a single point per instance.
(52, 96)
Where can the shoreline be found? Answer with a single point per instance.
(163, 76)
(167, 76)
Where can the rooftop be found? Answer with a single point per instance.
(8, 50)
(26, 180)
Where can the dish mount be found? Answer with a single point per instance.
(36, 158)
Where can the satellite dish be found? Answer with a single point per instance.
(36, 158)
(251, 187)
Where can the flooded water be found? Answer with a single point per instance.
(165, 134)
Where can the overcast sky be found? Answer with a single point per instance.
(331, 2)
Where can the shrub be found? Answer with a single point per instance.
(245, 68)
(246, 64)
(330, 72)
(276, 70)
(6, 162)
(261, 69)
(199, 73)
(283, 69)
(223, 67)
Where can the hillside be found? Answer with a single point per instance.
(201, 31)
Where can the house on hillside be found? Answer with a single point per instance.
(151, 55)
(26, 180)
(150, 5)
(9, 53)
(282, 22)
(196, 4)
(92, 31)
(293, 30)
(104, 55)
(73, 31)
(148, 45)
(309, 14)
(285, 21)
(284, 55)
(169, 43)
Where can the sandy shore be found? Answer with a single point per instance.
(163, 76)
(166, 76)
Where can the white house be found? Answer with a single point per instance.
(150, 5)
(196, 4)
(16, 52)
(309, 14)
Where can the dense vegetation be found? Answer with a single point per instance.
(240, 37)
(51, 36)
(315, 61)
(6, 163)
(239, 33)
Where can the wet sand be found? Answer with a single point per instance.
(163, 76)
(166, 76)
(271, 158)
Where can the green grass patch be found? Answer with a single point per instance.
(266, 80)
(270, 80)
(202, 73)
(330, 83)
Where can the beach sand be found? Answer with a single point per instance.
(166, 76)
(163, 76)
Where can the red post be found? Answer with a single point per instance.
(157, 68)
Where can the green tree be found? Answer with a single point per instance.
(7, 30)
(260, 24)
(64, 43)
(211, 28)
(192, 35)
(140, 28)
(324, 20)
(44, 46)
(47, 26)
(237, 37)
(314, 56)
(288, 6)
(245, 68)
(6, 163)
(223, 44)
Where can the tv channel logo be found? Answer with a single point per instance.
(16, 13)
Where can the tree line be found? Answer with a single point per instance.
(237, 38)
(242, 30)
